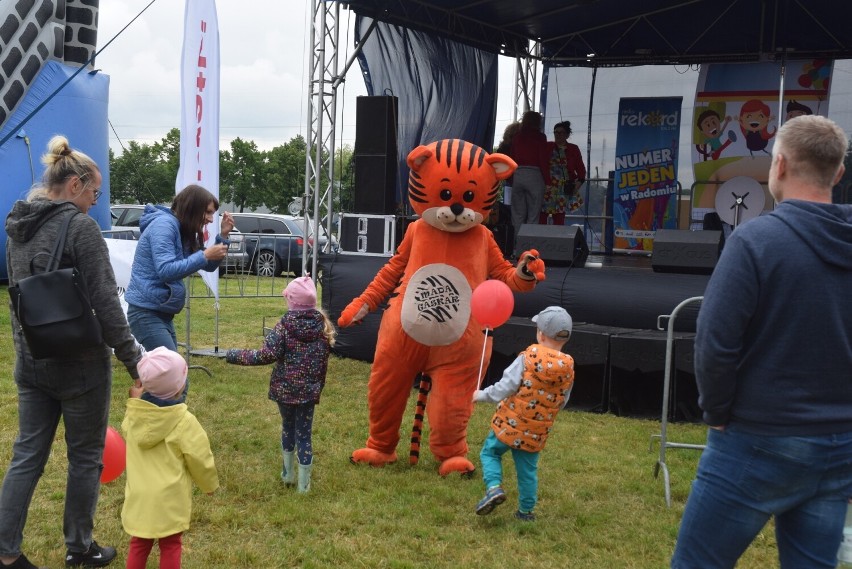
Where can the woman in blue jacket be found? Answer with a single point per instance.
(170, 248)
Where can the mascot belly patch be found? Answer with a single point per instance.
(436, 305)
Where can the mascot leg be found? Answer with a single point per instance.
(396, 364)
(450, 407)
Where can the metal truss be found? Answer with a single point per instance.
(526, 79)
(318, 199)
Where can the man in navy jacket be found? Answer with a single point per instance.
(773, 362)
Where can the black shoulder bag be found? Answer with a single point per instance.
(53, 307)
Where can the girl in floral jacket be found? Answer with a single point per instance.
(299, 345)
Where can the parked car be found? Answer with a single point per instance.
(126, 215)
(274, 242)
(121, 232)
(125, 225)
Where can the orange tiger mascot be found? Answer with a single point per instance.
(428, 326)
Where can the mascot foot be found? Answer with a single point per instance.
(372, 457)
(458, 464)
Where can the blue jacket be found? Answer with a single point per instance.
(773, 349)
(162, 262)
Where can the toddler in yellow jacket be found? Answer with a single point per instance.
(167, 449)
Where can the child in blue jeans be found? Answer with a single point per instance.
(531, 392)
(299, 345)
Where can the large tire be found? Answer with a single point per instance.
(267, 264)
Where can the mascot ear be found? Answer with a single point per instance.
(502, 164)
(418, 156)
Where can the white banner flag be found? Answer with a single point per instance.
(199, 125)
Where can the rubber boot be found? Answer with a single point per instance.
(305, 477)
(288, 472)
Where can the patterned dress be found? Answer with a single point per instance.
(566, 167)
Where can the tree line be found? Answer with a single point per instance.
(249, 178)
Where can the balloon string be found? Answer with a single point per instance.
(482, 359)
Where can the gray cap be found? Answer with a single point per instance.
(554, 322)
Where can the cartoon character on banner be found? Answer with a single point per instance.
(428, 327)
(754, 119)
(710, 130)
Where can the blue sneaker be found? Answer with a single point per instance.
(493, 498)
(525, 516)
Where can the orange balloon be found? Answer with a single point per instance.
(115, 456)
(492, 303)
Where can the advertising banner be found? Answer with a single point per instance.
(199, 125)
(646, 156)
(734, 124)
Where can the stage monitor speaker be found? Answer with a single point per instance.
(557, 244)
(684, 251)
(375, 125)
(375, 184)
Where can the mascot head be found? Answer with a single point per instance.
(453, 184)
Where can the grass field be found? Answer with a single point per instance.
(600, 505)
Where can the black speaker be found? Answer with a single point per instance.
(375, 184)
(376, 161)
(684, 251)
(375, 125)
(557, 244)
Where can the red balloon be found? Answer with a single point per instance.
(492, 303)
(805, 80)
(115, 456)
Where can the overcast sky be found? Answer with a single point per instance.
(264, 60)
(263, 68)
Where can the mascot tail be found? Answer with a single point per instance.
(419, 413)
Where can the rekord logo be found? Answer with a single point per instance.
(651, 119)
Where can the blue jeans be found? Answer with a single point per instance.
(744, 479)
(526, 468)
(151, 328)
(79, 392)
(296, 430)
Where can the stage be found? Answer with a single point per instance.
(615, 301)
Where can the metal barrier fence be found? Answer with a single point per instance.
(257, 266)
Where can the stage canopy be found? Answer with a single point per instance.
(632, 33)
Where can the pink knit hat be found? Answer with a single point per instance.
(162, 373)
(301, 294)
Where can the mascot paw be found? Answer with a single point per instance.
(372, 457)
(353, 313)
(536, 267)
(530, 265)
(458, 464)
